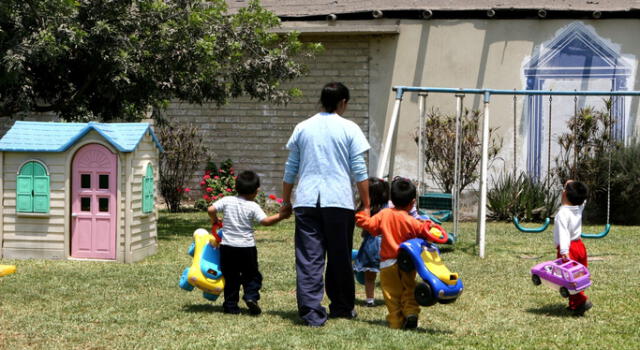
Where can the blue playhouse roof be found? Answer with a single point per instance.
(27, 136)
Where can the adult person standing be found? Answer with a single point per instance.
(325, 152)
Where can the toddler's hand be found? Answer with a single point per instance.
(564, 257)
(214, 242)
(285, 211)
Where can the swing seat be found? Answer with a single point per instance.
(607, 228)
(544, 226)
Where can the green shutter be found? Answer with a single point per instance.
(32, 189)
(147, 190)
(40, 194)
(24, 193)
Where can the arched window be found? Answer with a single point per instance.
(147, 190)
(32, 188)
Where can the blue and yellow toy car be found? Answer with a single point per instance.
(204, 272)
(439, 284)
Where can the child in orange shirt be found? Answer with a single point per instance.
(395, 225)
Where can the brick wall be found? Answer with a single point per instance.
(253, 134)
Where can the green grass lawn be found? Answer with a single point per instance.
(95, 305)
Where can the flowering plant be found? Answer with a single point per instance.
(217, 182)
(270, 203)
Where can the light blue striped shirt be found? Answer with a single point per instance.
(325, 152)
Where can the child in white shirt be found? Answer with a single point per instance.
(567, 230)
(238, 253)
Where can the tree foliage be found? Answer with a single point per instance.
(113, 59)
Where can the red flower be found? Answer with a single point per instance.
(222, 170)
(216, 177)
(202, 183)
(179, 189)
(206, 197)
(187, 189)
(272, 197)
(215, 197)
(206, 176)
(280, 200)
(228, 190)
(209, 189)
(208, 172)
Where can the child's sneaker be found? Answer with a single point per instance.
(580, 310)
(411, 322)
(253, 306)
(370, 303)
(232, 311)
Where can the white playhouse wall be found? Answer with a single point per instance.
(143, 226)
(33, 235)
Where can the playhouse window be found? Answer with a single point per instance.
(85, 180)
(32, 189)
(147, 190)
(85, 204)
(103, 182)
(103, 205)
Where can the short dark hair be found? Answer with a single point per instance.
(403, 191)
(331, 95)
(247, 182)
(577, 192)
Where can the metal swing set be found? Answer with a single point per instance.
(385, 165)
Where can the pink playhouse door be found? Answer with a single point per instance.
(93, 203)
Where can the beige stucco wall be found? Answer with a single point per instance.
(470, 54)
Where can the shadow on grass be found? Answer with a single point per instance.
(420, 329)
(171, 226)
(202, 308)
(556, 310)
(291, 315)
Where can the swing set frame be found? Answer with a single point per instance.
(385, 166)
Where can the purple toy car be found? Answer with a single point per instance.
(569, 277)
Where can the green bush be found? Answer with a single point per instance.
(625, 185)
(523, 196)
(584, 156)
(625, 188)
(439, 147)
(182, 147)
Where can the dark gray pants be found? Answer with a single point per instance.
(239, 266)
(320, 232)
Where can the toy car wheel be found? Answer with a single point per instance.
(424, 295)
(564, 292)
(209, 296)
(405, 262)
(536, 280)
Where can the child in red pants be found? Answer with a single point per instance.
(566, 234)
